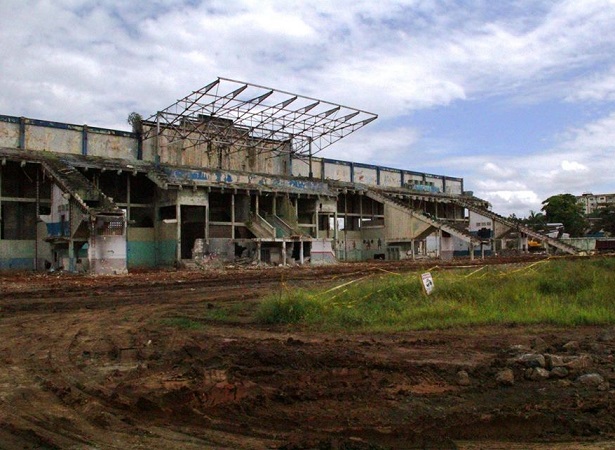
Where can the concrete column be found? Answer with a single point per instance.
(128, 198)
(412, 249)
(258, 251)
(178, 237)
(71, 255)
(207, 218)
(232, 216)
(301, 252)
(71, 243)
(335, 226)
(283, 253)
(471, 249)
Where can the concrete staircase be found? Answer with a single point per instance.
(464, 235)
(567, 248)
(283, 229)
(260, 228)
(83, 191)
(159, 177)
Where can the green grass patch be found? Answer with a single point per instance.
(183, 323)
(557, 292)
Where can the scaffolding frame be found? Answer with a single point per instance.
(233, 115)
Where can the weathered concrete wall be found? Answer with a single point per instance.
(111, 146)
(400, 225)
(587, 244)
(390, 178)
(141, 247)
(301, 167)
(218, 177)
(435, 181)
(235, 154)
(366, 175)
(33, 134)
(43, 248)
(9, 134)
(376, 175)
(53, 139)
(454, 186)
(59, 219)
(107, 248)
(18, 255)
(478, 222)
(189, 197)
(322, 252)
(335, 171)
(167, 244)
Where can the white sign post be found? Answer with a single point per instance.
(427, 282)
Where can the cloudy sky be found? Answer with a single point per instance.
(516, 97)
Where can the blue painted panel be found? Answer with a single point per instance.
(16, 264)
(55, 229)
(166, 253)
(141, 254)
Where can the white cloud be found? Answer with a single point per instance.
(573, 166)
(594, 87)
(390, 57)
(389, 147)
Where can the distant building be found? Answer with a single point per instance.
(591, 203)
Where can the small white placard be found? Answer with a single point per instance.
(427, 282)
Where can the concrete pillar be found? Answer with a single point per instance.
(71, 243)
(258, 251)
(283, 253)
(178, 237)
(207, 218)
(71, 255)
(335, 226)
(128, 199)
(301, 252)
(471, 250)
(232, 216)
(412, 249)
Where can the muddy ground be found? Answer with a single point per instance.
(173, 360)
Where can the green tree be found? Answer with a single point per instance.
(136, 121)
(536, 221)
(606, 220)
(564, 208)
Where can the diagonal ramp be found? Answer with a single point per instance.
(435, 223)
(567, 248)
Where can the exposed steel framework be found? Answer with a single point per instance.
(238, 115)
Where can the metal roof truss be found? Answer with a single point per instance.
(239, 115)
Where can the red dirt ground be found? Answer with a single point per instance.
(102, 362)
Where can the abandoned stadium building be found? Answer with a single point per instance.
(227, 173)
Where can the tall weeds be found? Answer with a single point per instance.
(559, 292)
